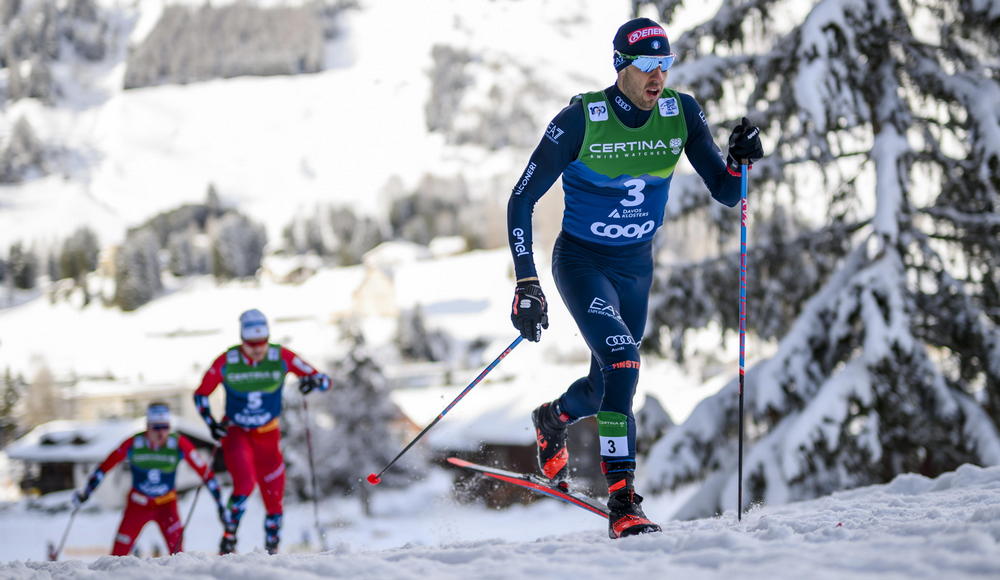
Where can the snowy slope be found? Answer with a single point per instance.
(912, 528)
(278, 145)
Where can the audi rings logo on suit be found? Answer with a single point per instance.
(619, 340)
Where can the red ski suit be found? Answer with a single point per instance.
(253, 453)
(141, 508)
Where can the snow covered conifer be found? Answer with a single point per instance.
(22, 266)
(22, 154)
(353, 428)
(873, 252)
(137, 270)
(237, 246)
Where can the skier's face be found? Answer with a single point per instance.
(642, 88)
(157, 434)
(255, 349)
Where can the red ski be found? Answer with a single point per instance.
(537, 484)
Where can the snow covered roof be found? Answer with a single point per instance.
(86, 441)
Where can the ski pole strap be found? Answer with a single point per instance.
(617, 466)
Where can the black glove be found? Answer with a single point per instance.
(744, 146)
(311, 382)
(529, 312)
(218, 429)
(79, 498)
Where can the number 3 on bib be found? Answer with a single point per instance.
(634, 196)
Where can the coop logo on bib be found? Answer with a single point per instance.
(616, 231)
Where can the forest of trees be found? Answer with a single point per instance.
(191, 44)
(38, 33)
(437, 207)
(505, 118)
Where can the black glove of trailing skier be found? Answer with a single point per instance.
(218, 429)
(311, 382)
(79, 498)
(744, 145)
(530, 311)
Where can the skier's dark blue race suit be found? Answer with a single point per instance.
(605, 288)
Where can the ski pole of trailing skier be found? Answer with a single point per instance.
(312, 474)
(54, 554)
(743, 325)
(376, 479)
(194, 502)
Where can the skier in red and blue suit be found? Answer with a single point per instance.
(616, 150)
(253, 374)
(153, 457)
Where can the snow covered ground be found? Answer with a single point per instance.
(911, 528)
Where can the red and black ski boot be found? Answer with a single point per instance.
(626, 517)
(550, 435)
(272, 529)
(228, 543)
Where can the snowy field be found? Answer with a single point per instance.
(911, 528)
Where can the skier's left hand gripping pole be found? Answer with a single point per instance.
(376, 479)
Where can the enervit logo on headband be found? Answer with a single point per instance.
(637, 35)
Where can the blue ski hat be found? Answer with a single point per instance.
(253, 325)
(640, 37)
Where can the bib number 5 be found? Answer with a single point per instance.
(634, 196)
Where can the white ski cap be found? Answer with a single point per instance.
(253, 325)
(158, 414)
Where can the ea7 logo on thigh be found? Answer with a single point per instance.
(603, 307)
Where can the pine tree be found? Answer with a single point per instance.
(10, 395)
(237, 247)
(353, 428)
(22, 155)
(137, 270)
(22, 266)
(186, 256)
(886, 309)
(78, 258)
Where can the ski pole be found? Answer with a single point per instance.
(743, 323)
(376, 479)
(312, 474)
(211, 461)
(54, 554)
